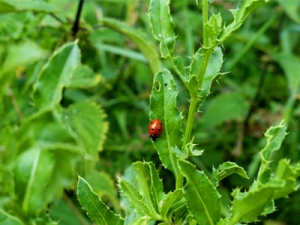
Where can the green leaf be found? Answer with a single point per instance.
(286, 173)
(291, 67)
(33, 173)
(134, 197)
(233, 105)
(247, 206)
(140, 39)
(162, 26)
(291, 8)
(7, 219)
(7, 6)
(203, 200)
(239, 16)
(83, 77)
(86, 121)
(171, 203)
(145, 220)
(275, 136)
(213, 27)
(150, 186)
(96, 209)
(22, 54)
(212, 71)
(103, 185)
(163, 107)
(226, 169)
(55, 75)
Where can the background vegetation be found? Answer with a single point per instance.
(112, 58)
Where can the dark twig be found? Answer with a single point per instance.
(56, 17)
(76, 22)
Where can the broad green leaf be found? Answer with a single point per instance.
(239, 16)
(163, 107)
(7, 219)
(286, 173)
(275, 136)
(7, 6)
(139, 38)
(149, 185)
(203, 200)
(55, 75)
(83, 77)
(33, 173)
(86, 120)
(233, 105)
(291, 8)
(225, 170)
(162, 26)
(47, 132)
(291, 67)
(96, 209)
(247, 206)
(22, 54)
(103, 185)
(134, 198)
(171, 203)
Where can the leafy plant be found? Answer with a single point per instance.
(195, 198)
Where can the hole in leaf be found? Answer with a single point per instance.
(157, 86)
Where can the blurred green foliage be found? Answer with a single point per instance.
(45, 139)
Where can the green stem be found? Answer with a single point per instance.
(194, 99)
(190, 121)
(203, 67)
(205, 21)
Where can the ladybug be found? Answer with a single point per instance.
(155, 128)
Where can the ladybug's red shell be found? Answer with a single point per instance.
(155, 129)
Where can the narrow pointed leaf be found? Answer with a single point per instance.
(163, 107)
(275, 136)
(172, 202)
(247, 206)
(134, 198)
(150, 186)
(96, 209)
(212, 72)
(203, 200)
(162, 26)
(239, 16)
(140, 39)
(286, 173)
(228, 168)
